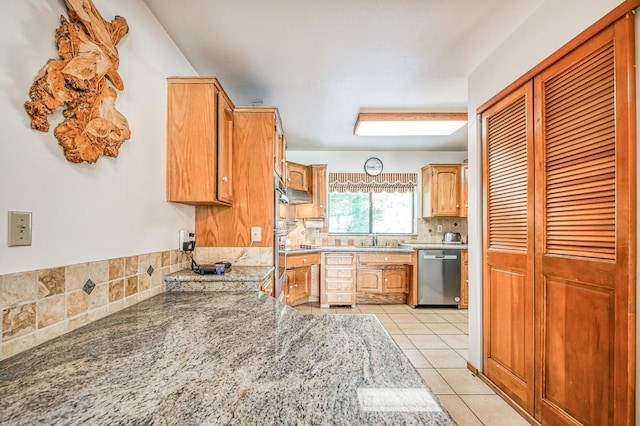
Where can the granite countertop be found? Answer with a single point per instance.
(237, 278)
(435, 246)
(186, 358)
(396, 249)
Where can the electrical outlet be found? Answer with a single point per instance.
(19, 229)
(256, 234)
(439, 228)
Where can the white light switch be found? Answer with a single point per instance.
(19, 229)
(256, 234)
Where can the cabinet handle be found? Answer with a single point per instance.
(386, 259)
(296, 286)
(224, 178)
(457, 206)
(304, 260)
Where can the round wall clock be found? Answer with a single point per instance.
(373, 166)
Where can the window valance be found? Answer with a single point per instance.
(362, 182)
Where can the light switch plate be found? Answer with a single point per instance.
(256, 234)
(19, 229)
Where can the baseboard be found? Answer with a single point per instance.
(528, 417)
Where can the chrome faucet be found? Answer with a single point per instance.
(374, 239)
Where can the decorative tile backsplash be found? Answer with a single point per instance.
(41, 305)
(427, 232)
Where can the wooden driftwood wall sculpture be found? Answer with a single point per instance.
(87, 46)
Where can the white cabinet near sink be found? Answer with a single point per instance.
(338, 279)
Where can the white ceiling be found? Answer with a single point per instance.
(321, 62)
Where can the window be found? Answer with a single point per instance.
(362, 204)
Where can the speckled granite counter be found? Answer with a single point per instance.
(434, 246)
(238, 278)
(194, 358)
(396, 249)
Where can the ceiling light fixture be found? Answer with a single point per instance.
(408, 123)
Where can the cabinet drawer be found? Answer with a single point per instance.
(384, 258)
(340, 298)
(338, 259)
(297, 260)
(344, 273)
(339, 285)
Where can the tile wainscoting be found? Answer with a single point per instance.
(41, 305)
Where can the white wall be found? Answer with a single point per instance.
(552, 25)
(84, 212)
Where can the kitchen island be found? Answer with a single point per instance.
(194, 358)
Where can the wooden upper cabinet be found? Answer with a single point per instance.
(464, 190)
(225, 150)
(199, 142)
(318, 188)
(298, 176)
(279, 149)
(441, 190)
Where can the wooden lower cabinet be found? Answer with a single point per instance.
(382, 278)
(394, 280)
(297, 288)
(266, 286)
(338, 280)
(368, 280)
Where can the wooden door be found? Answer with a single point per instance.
(585, 193)
(445, 199)
(394, 280)
(368, 280)
(225, 150)
(464, 190)
(191, 140)
(509, 245)
(297, 176)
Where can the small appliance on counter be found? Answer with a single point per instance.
(217, 268)
(452, 238)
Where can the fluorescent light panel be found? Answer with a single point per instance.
(409, 123)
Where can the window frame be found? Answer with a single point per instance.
(414, 217)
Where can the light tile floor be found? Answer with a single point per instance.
(436, 342)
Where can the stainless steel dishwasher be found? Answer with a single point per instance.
(439, 277)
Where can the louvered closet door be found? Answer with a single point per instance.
(508, 246)
(583, 234)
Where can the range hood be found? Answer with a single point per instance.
(297, 196)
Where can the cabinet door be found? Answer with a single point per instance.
(394, 280)
(369, 280)
(297, 176)
(464, 279)
(464, 190)
(279, 150)
(445, 191)
(192, 142)
(225, 150)
(441, 190)
(298, 284)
